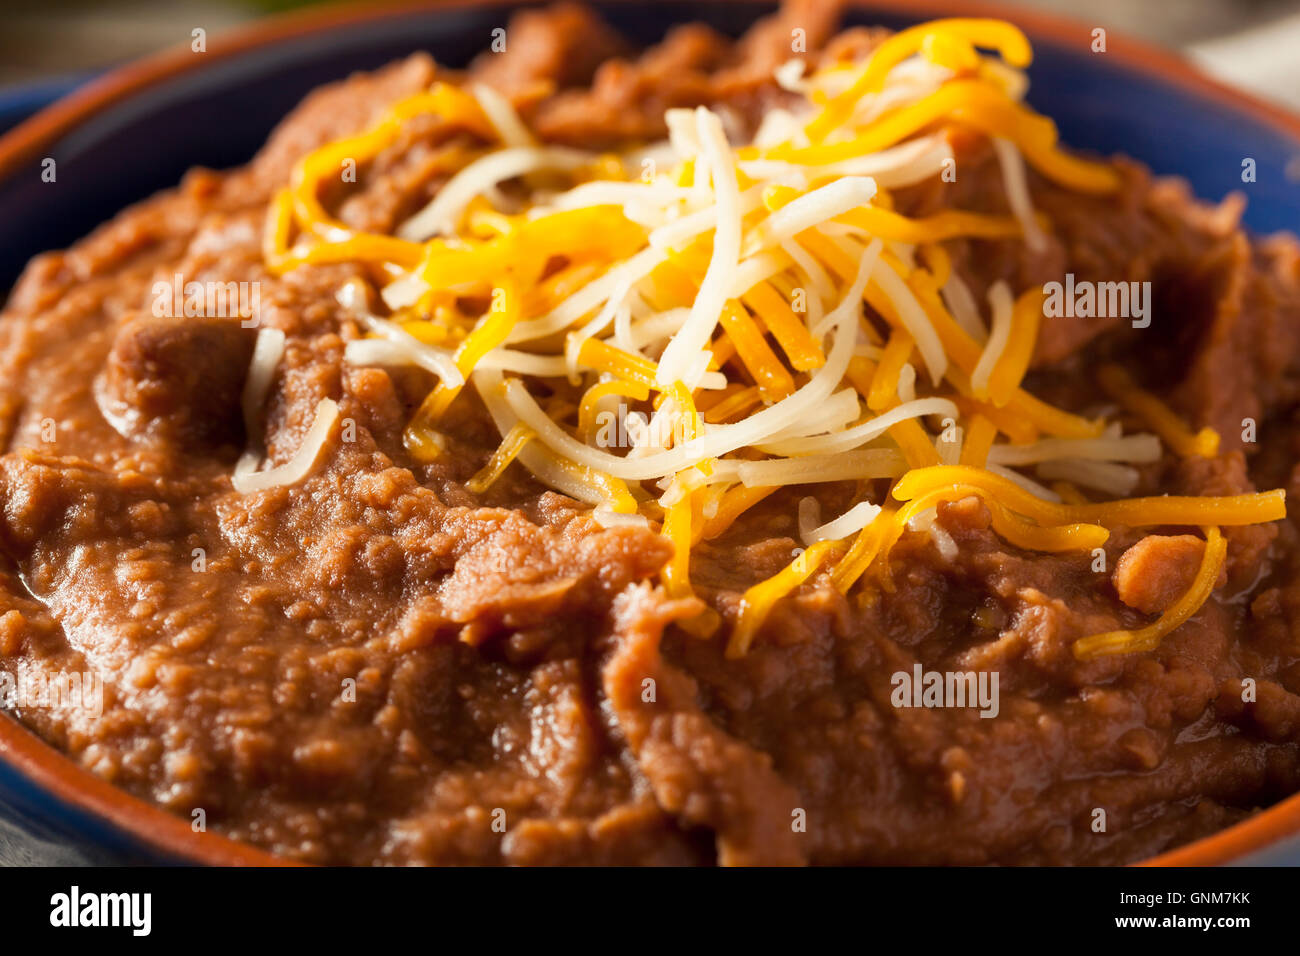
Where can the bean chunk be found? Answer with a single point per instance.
(180, 379)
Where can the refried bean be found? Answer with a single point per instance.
(378, 666)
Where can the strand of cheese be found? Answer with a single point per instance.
(774, 382)
(1010, 368)
(980, 434)
(801, 349)
(733, 504)
(983, 106)
(509, 449)
(757, 602)
(1007, 39)
(450, 102)
(590, 404)
(487, 335)
(733, 405)
(1149, 637)
(866, 546)
(1257, 508)
(884, 384)
(676, 573)
(1158, 416)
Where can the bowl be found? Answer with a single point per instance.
(216, 108)
(18, 102)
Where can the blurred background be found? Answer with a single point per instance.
(1254, 44)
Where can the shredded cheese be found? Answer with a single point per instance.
(853, 520)
(1149, 637)
(1002, 307)
(1008, 40)
(1016, 185)
(247, 479)
(745, 317)
(757, 602)
(509, 449)
(1257, 508)
(440, 216)
(1158, 416)
(718, 279)
(268, 349)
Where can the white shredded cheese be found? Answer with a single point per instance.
(914, 319)
(810, 516)
(612, 519)
(429, 357)
(443, 212)
(859, 435)
(268, 349)
(957, 297)
(813, 469)
(851, 522)
(510, 129)
(1108, 476)
(720, 275)
(1001, 303)
(1028, 484)
(1016, 185)
(1131, 448)
(811, 209)
(248, 480)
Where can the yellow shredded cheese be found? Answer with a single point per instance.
(676, 573)
(1243, 509)
(506, 452)
(770, 307)
(1007, 39)
(1149, 637)
(884, 384)
(757, 602)
(487, 335)
(1158, 416)
(801, 349)
(774, 382)
(590, 404)
(979, 439)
